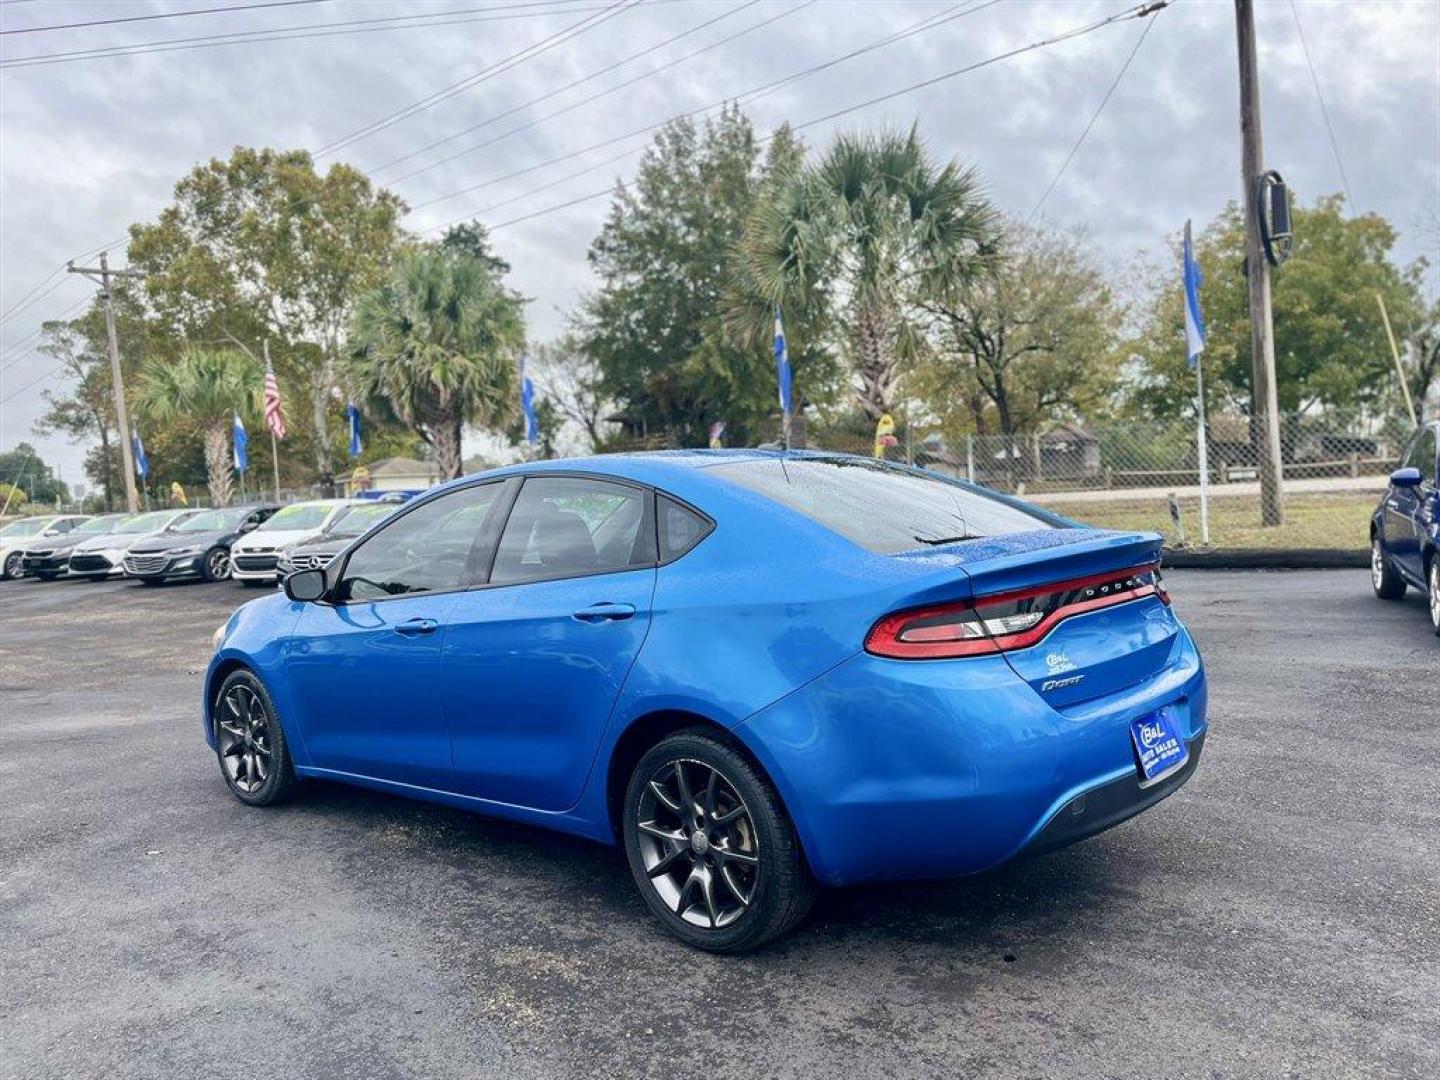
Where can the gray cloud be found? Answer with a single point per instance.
(87, 148)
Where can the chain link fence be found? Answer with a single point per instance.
(1147, 475)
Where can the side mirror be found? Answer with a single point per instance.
(1406, 477)
(307, 586)
(249, 526)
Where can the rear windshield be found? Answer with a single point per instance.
(881, 507)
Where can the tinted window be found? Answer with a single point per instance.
(680, 528)
(430, 549)
(881, 507)
(563, 526)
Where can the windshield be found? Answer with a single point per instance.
(216, 520)
(298, 516)
(103, 524)
(26, 527)
(881, 507)
(146, 523)
(359, 518)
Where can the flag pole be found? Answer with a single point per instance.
(1202, 449)
(274, 447)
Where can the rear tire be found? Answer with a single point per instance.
(250, 744)
(710, 846)
(1388, 584)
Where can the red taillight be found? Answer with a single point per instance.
(1010, 620)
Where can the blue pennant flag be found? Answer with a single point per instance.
(527, 404)
(1194, 324)
(142, 463)
(241, 440)
(353, 415)
(782, 362)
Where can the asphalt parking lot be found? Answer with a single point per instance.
(1279, 917)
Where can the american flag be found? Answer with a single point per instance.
(274, 411)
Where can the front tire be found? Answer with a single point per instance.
(216, 566)
(710, 846)
(12, 568)
(250, 743)
(1388, 584)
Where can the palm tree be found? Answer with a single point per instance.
(866, 233)
(436, 345)
(205, 387)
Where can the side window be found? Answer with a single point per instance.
(1423, 457)
(680, 528)
(567, 526)
(430, 549)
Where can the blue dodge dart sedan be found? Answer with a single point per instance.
(757, 672)
(1405, 528)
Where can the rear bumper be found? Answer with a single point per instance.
(905, 770)
(1107, 805)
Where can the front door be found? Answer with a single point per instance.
(534, 660)
(365, 665)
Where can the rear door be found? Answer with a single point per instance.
(534, 660)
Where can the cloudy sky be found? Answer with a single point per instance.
(91, 143)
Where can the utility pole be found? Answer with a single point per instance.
(102, 275)
(1264, 399)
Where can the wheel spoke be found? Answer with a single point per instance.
(676, 836)
(710, 788)
(730, 855)
(682, 785)
(727, 876)
(680, 901)
(660, 793)
(731, 815)
(707, 890)
(666, 862)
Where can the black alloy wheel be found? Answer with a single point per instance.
(216, 566)
(250, 744)
(710, 845)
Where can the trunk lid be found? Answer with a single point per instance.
(1094, 646)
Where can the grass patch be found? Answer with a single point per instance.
(1340, 521)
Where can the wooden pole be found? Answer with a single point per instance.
(1264, 398)
(1395, 352)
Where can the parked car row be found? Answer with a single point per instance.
(251, 544)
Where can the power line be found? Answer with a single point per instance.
(1144, 33)
(925, 24)
(452, 17)
(163, 15)
(490, 71)
(577, 82)
(1324, 112)
(1138, 11)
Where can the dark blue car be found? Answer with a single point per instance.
(757, 672)
(1405, 530)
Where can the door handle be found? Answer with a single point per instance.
(598, 613)
(415, 627)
